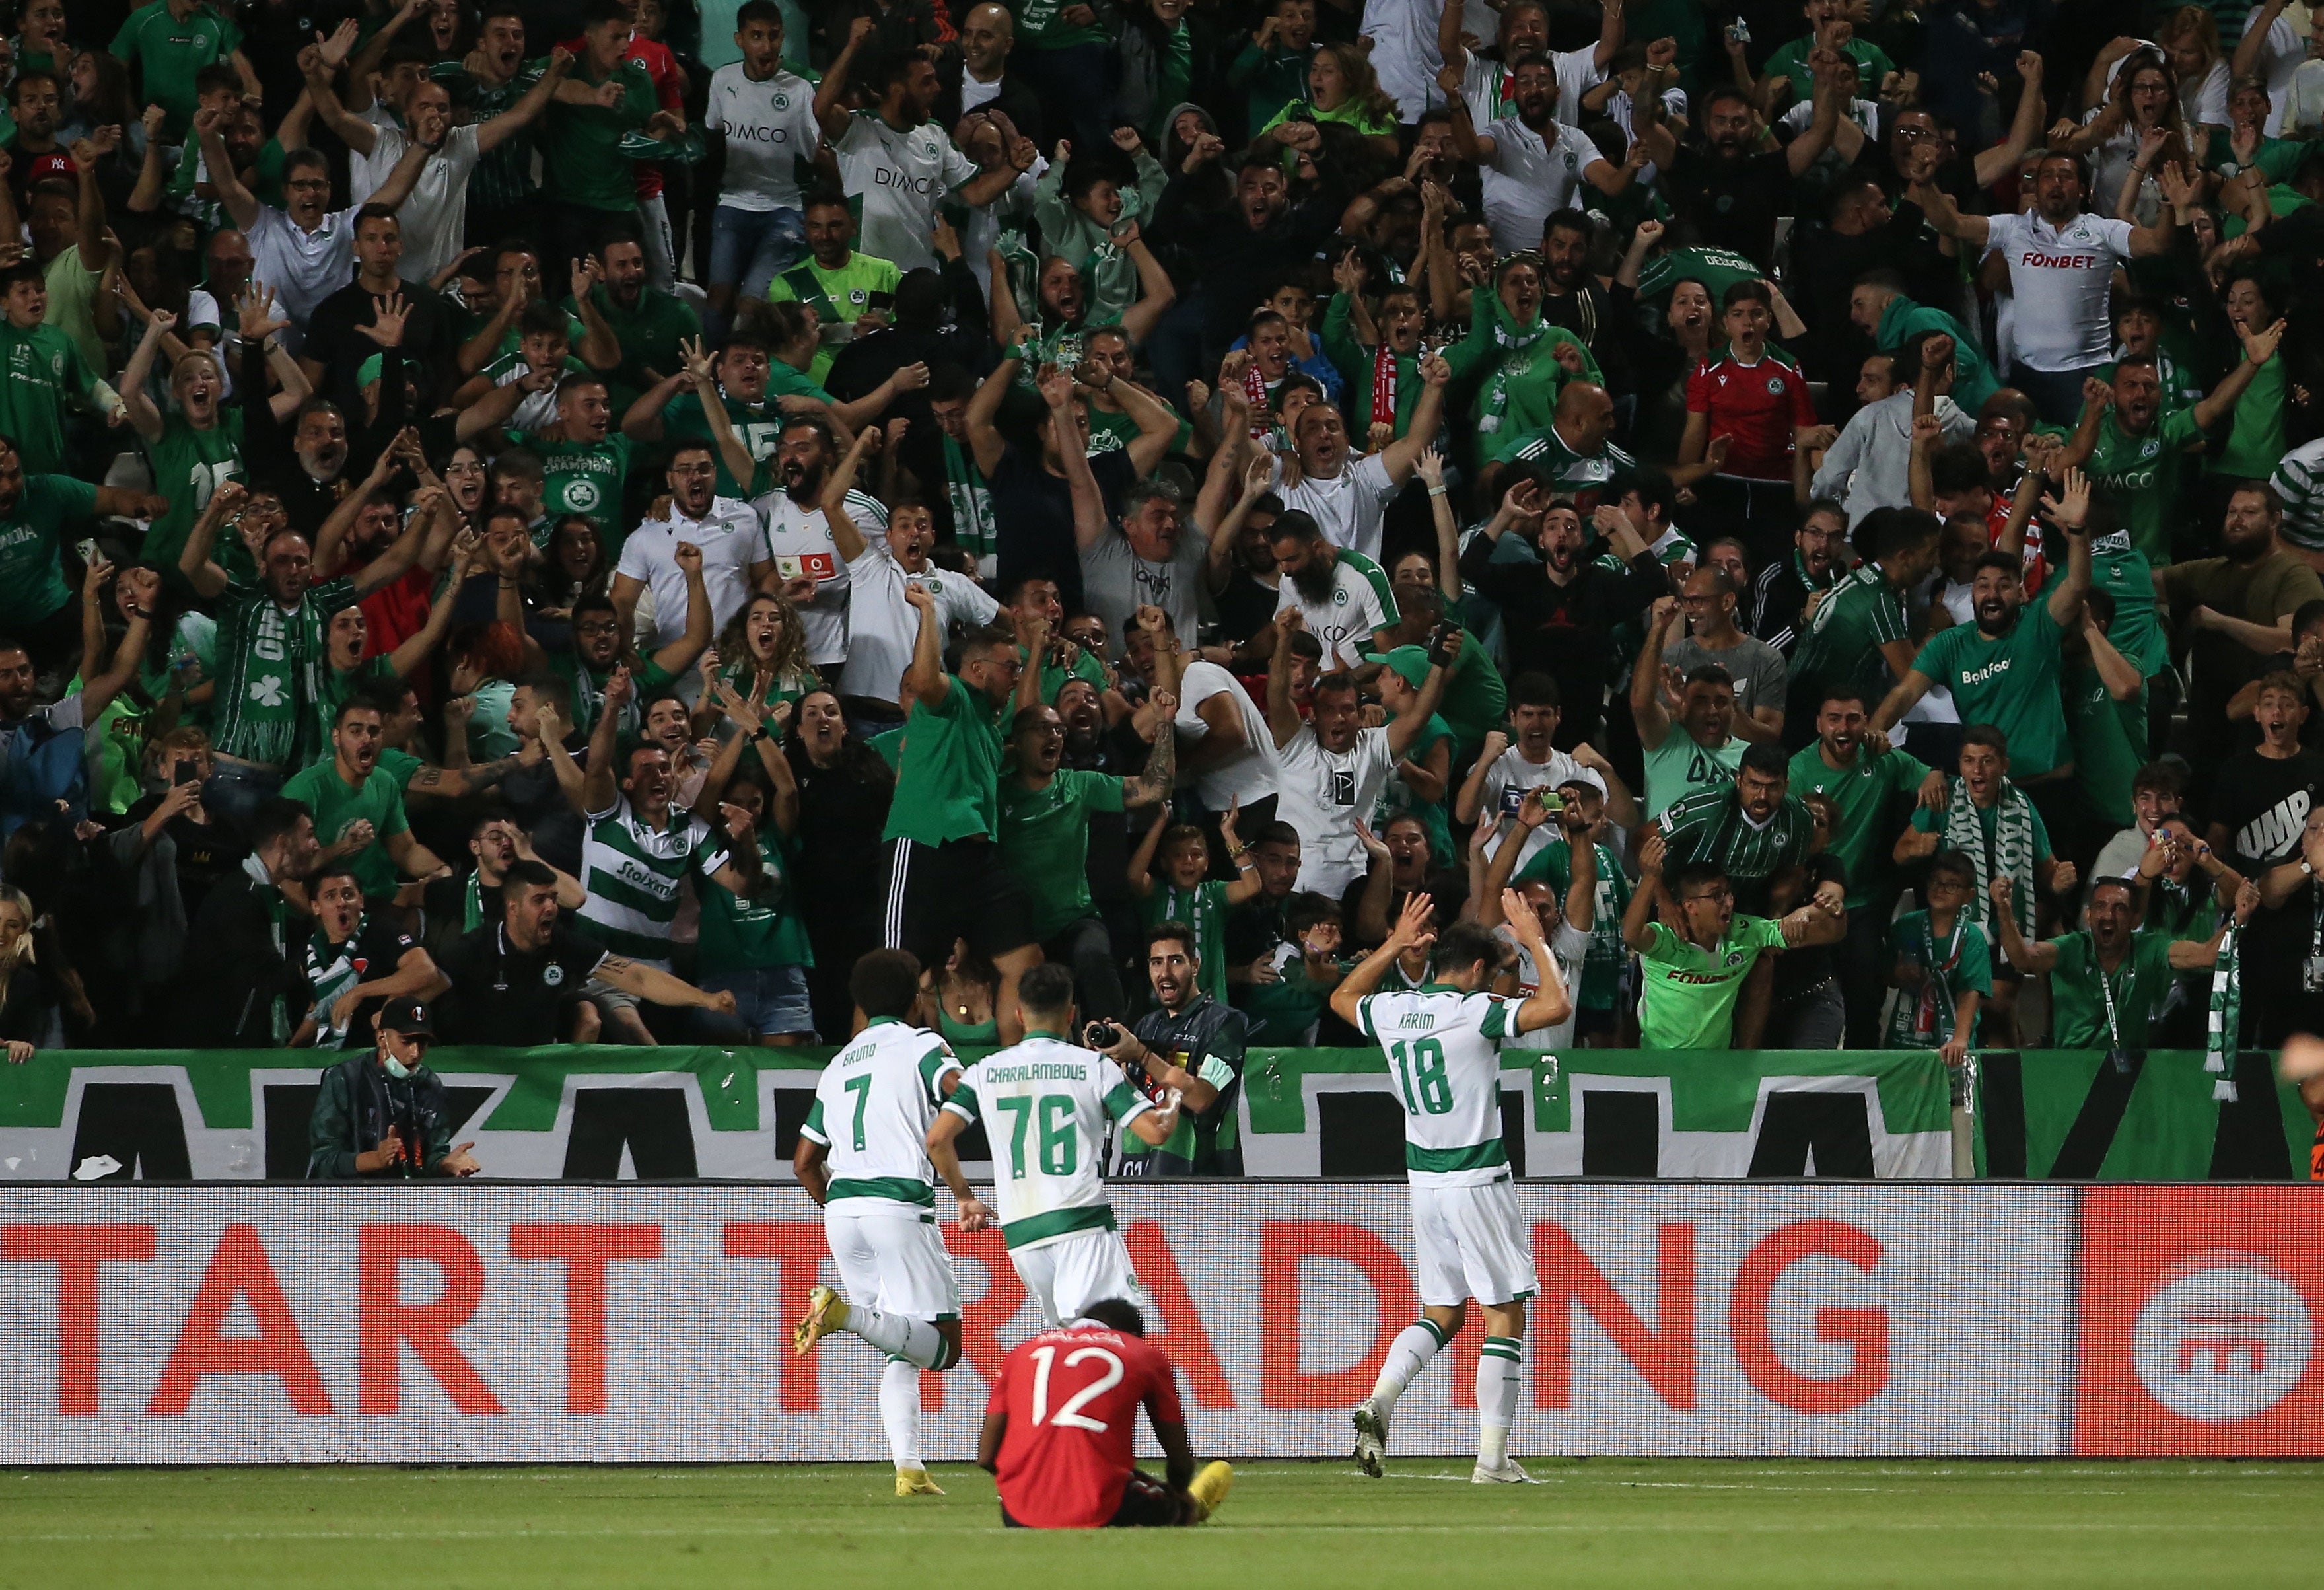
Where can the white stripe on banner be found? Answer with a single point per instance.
(503, 1323)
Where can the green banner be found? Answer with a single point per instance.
(2075, 1114)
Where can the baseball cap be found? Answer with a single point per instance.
(368, 371)
(1587, 777)
(1408, 663)
(407, 1016)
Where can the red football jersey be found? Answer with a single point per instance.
(1072, 1398)
(1756, 405)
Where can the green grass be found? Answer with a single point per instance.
(1611, 1521)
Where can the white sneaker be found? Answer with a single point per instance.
(1372, 1439)
(1509, 1474)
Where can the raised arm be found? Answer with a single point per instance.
(600, 781)
(925, 680)
(1549, 1003)
(1637, 921)
(1415, 925)
(2024, 955)
(2065, 597)
(136, 381)
(1647, 706)
(830, 115)
(985, 438)
(1283, 719)
(238, 201)
(844, 534)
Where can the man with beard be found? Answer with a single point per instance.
(2237, 609)
(355, 963)
(36, 605)
(1190, 1043)
(2135, 448)
(1047, 811)
(1570, 298)
(1544, 162)
(359, 817)
(673, 410)
(2109, 980)
(455, 906)
(1784, 587)
(1348, 501)
(271, 649)
(1333, 768)
(1685, 722)
(1559, 614)
(583, 468)
(1733, 189)
(850, 291)
(2004, 670)
(240, 981)
(895, 161)
(882, 626)
(704, 537)
(1863, 789)
(1862, 623)
(651, 326)
(801, 539)
(435, 214)
(2062, 263)
(1342, 597)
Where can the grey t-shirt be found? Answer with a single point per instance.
(1761, 677)
(1116, 582)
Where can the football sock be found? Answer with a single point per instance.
(1407, 1355)
(1501, 1369)
(899, 1410)
(904, 1338)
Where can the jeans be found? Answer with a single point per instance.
(752, 247)
(1814, 1018)
(771, 1001)
(236, 790)
(2057, 394)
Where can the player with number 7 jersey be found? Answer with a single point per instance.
(1444, 1045)
(1045, 1104)
(862, 1155)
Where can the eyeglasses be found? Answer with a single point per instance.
(470, 468)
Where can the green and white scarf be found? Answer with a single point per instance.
(1516, 346)
(972, 524)
(2013, 850)
(2226, 1018)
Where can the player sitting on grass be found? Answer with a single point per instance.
(1045, 1102)
(1443, 1042)
(861, 1155)
(1059, 1430)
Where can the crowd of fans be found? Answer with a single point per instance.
(608, 513)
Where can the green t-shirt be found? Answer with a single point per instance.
(2255, 435)
(2276, 158)
(1863, 793)
(1717, 269)
(2142, 474)
(1689, 991)
(2109, 739)
(335, 805)
(1084, 667)
(1040, 23)
(648, 333)
(2010, 682)
(169, 54)
(950, 765)
(1203, 907)
(332, 688)
(839, 296)
(585, 477)
(580, 145)
(740, 935)
(189, 466)
(2077, 1008)
(1678, 767)
(758, 424)
(2123, 573)
(1791, 61)
(1842, 641)
(1045, 842)
(45, 367)
(31, 573)
(1601, 969)
(1961, 963)
(1926, 821)
(1109, 432)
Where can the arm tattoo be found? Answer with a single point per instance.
(1162, 766)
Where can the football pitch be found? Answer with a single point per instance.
(1606, 1521)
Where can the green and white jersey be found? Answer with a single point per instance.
(632, 876)
(1362, 600)
(1443, 1053)
(2300, 482)
(1045, 1104)
(872, 1107)
(537, 409)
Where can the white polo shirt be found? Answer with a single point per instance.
(2060, 277)
(800, 543)
(883, 627)
(303, 268)
(1348, 508)
(730, 541)
(1544, 174)
(436, 217)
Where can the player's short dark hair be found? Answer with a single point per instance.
(542, 319)
(575, 380)
(1900, 529)
(597, 13)
(1958, 467)
(1464, 945)
(15, 276)
(1767, 760)
(1711, 673)
(275, 818)
(2163, 778)
(523, 874)
(1047, 990)
(1277, 833)
(16, 89)
(518, 464)
(378, 212)
(1116, 1314)
(327, 872)
(765, 11)
(885, 983)
(1294, 524)
(300, 159)
(1744, 292)
(1309, 910)
(1655, 489)
(1694, 874)
(1169, 931)
(1535, 688)
(2007, 563)
(1841, 691)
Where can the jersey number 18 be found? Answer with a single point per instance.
(1419, 1067)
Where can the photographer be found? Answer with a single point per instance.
(1193, 1045)
(381, 1113)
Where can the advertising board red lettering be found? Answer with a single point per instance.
(76, 1251)
(1283, 1247)
(1864, 1330)
(584, 1250)
(240, 1270)
(1663, 1356)
(384, 1322)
